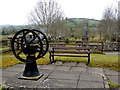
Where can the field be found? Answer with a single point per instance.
(97, 60)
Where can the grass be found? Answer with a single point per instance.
(8, 59)
(113, 84)
(3, 36)
(97, 60)
(0, 88)
(4, 48)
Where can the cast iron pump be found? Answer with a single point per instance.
(33, 44)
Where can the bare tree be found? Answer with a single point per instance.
(108, 26)
(47, 15)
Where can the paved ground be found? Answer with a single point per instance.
(61, 75)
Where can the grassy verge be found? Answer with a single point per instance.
(8, 59)
(113, 85)
(97, 60)
(4, 49)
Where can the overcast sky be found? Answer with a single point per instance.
(14, 12)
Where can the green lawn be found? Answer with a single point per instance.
(3, 36)
(8, 59)
(4, 48)
(97, 60)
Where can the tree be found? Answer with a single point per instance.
(47, 15)
(108, 26)
(3, 31)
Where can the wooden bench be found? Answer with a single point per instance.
(69, 52)
(95, 47)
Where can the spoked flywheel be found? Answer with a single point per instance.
(30, 44)
(44, 41)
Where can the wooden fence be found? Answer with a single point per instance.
(96, 47)
(5, 45)
(111, 46)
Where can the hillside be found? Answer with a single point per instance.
(78, 21)
(72, 23)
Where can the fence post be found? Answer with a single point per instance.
(102, 47)
(18, 44)
(9, 42)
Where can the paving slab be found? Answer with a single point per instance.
(79, 69)
(90, 84)
(45, 72)
(81, 65)
(69, 63)
(96, 70)
(48, 67)
(63, 68)
(111, 72)
(14, 69)
(15, 82)
(86, 76)
(58, 63)
(18, 65)
(4, 82)
(4, 79)
(64, 75)
(8, 74)
(114, 79)
(39, 66)
(56, 83)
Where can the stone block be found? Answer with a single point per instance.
(56, 83)
(79, 69)
(96, 70)
(69, 63)
(81, 65)
(63, 68)
(90, 84)
(48, 67)
(111, 72)
(91, 77)
(64, 75)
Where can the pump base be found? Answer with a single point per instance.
(31, 78)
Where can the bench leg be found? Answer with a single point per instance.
(88, 59)
(53, 61)
(50, 58)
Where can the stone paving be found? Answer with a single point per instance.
(60, 75)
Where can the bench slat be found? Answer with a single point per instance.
(69, 55)
(73, 41)
(85, 48)
(76, 52)
(74, 44)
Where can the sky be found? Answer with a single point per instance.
(15, 12)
